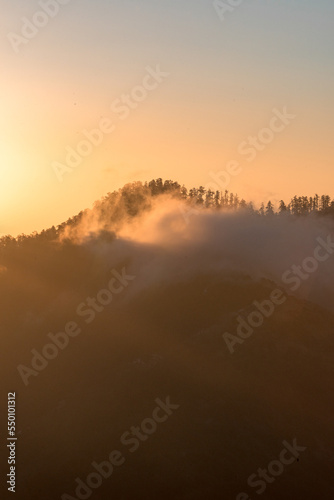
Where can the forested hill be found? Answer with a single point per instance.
(137, 197)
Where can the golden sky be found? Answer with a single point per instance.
(202, 87)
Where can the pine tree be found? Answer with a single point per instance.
(283, 209)
(270, 208)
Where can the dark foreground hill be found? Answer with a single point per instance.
(145, 369)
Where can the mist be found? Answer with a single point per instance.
(146, 299)
(173, 241)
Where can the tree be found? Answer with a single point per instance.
(224, 199)
(217, 199)
(295, 209)
(192, 193)
(282, 209)
(200, 195)
(184, 192)
(270, 208)
(231, 200)
(209, 198)
(243, 204)
(324, 203)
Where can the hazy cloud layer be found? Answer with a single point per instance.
(166, 244)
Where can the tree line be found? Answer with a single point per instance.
(298, 205)
(136, 197)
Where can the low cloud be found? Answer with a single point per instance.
(170, 247)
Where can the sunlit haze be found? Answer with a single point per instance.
(222, 80)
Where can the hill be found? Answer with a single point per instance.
(114, 337)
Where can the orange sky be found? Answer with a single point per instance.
(225, 79)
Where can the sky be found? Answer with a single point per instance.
(195, 90)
